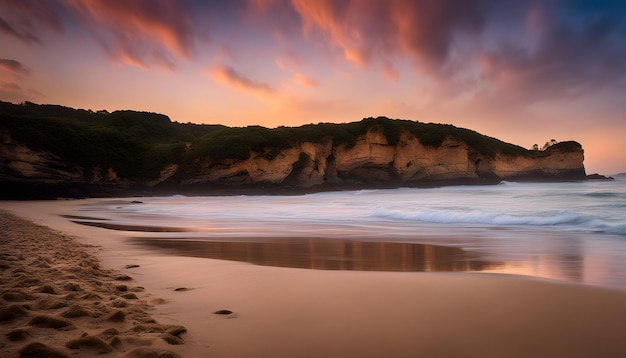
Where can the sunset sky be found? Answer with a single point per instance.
(522, 71)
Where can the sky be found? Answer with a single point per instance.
(524, 71)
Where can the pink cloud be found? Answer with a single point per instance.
(40, 11)
(24, 36)
(228, 76)
(141, 32)
(375, 31)
(26, 20)
(303, 80)
(13, 66)
(13, 92)
(10, 86)
(390, 72)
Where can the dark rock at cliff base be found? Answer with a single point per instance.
(597, 176)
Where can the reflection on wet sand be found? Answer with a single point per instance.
(98, 222)
(328, 254)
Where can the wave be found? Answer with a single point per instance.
(617, 229)
(569, 220)
(477, 217)
(604, 195)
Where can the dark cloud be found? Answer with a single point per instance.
(27, 20)
(372, 31)
(13, 92)
(571, 56)
(23, 36)
(36, 11)
(13, 66)
(10, 86)
(230, 77)
(140, 32)
(528, 50)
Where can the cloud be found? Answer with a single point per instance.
(263, 5)
(13, 92)
(25, 37)
(375, 31)
(527, 52)
(567, 59)
(42, 12)
(13, 66)
(27, 20)
(390, 72)
(303, 80)
(228, 76)
(140, 32)
(10, 86)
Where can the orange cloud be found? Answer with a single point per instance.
(303, 80)
(10, 86)
(228, 76)
(139, 32)
(262, 5)
(13, 92)
(13, 66)
(375, 31)
(330, 18)
(390, 71)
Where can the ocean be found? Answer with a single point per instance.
(571, 232)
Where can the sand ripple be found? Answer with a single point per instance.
(57, 301)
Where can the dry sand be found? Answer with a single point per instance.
(57, 301)
(284, 312)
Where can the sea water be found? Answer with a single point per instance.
(573, 231)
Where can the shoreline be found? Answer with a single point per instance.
(48, 191)
(286, 312)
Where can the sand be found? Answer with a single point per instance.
(287, 312)
(56, 300)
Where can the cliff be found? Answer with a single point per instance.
(49, 151)
(373, 160)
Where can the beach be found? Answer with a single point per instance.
(58, 301)
(276, 311)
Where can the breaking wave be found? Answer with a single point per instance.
(476, 217)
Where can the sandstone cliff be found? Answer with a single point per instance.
(372, 160)
(125, 151)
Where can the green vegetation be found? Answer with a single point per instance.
(139, 144)
(568, 146)
(135, 144)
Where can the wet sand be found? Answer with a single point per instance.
(287, 312)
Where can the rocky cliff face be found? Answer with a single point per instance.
(23, 164)
(370, 162)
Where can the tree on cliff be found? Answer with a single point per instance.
(549, 144)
